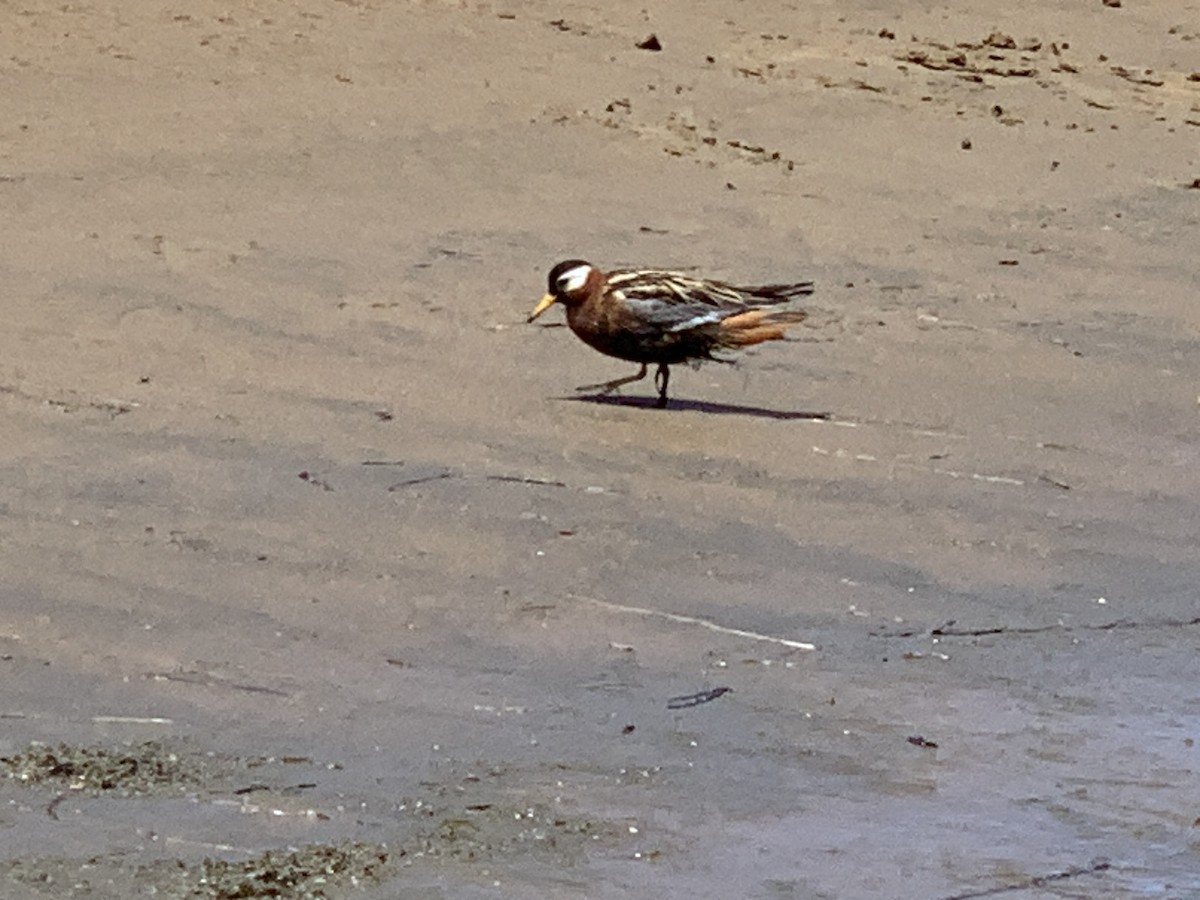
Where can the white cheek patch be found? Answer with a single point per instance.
(573, 280)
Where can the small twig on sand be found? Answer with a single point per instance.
(421, 480)
(1036, 881)
(692, 620)
(696, 699)
(207, 680)
(949, 629)
(517, 479)
(52, 807)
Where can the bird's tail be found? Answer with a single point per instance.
(780, 293)
(757, 325)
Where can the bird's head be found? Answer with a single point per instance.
(569, 282)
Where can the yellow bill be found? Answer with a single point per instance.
(544, 304)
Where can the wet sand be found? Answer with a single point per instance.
(289, 486)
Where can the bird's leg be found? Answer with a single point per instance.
(607, 387)
(661, 378)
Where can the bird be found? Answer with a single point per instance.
(662, 317)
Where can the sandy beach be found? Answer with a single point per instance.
(309, 543)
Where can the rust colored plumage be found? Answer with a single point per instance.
(662, 317)
(758, 325)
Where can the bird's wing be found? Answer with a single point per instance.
(673, 301)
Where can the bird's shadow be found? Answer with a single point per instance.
(702, 406)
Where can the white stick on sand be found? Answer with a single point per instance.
(692, 620)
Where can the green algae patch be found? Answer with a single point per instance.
(315, 872)
(304, 874)
(142, 769)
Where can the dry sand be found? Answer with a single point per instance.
(286, 479)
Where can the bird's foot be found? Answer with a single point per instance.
(607, 387)
(661, 379)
